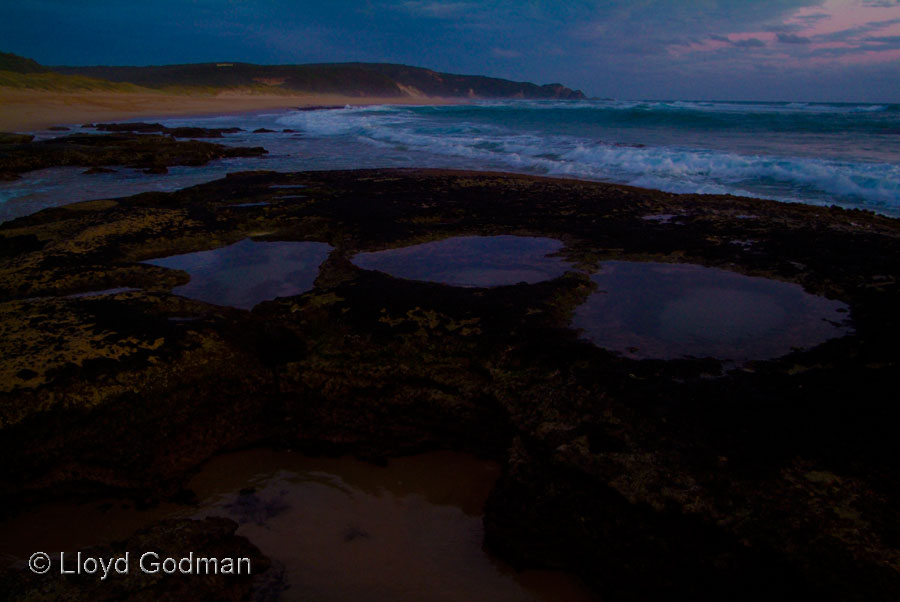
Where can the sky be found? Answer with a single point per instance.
(790, 50)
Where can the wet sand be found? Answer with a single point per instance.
(27, 110)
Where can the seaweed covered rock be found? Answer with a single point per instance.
(131, 150)
(768, 478)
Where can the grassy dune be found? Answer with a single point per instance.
(57, 82)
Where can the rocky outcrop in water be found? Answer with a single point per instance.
(150, 152)
(771, 479)
(156, 128)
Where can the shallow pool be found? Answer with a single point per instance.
(248, 272)
(668, 311)
(472, 261)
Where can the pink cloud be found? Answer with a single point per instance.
(837, 31)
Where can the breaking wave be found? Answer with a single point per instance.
(821, 153)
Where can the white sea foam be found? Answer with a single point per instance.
(669, 168)
(820, 153)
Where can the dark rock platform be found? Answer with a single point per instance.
(772, 480)
(151, 152)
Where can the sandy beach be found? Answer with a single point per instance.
(26, 110)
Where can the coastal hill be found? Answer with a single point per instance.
(19, 64)
(350, 79)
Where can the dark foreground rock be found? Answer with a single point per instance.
(178, 539)
(775, 479)
(149, 152)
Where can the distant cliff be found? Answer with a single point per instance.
(352, 79)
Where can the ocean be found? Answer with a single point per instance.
(817, 153)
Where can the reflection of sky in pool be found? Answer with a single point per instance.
(476, 261)
(346, 530)
(339, 528)
(668, 311)
(246, 273)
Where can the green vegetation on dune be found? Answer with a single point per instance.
(50, 81)
(352, 79)
(20, 64)
(348, 79)
(213, 91)
(342, 79)
(57, 82)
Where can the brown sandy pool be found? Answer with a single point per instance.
(669, 311)
(248, 272)
(344, 530)
(473, 261)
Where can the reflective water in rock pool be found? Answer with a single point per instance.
(473, 261)
(248, 272)
(669, 311)
(342, 529)
(109, 291)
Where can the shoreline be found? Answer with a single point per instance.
(30, 110)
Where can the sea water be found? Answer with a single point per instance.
(816, 153)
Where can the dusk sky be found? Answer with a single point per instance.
(694, 49)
